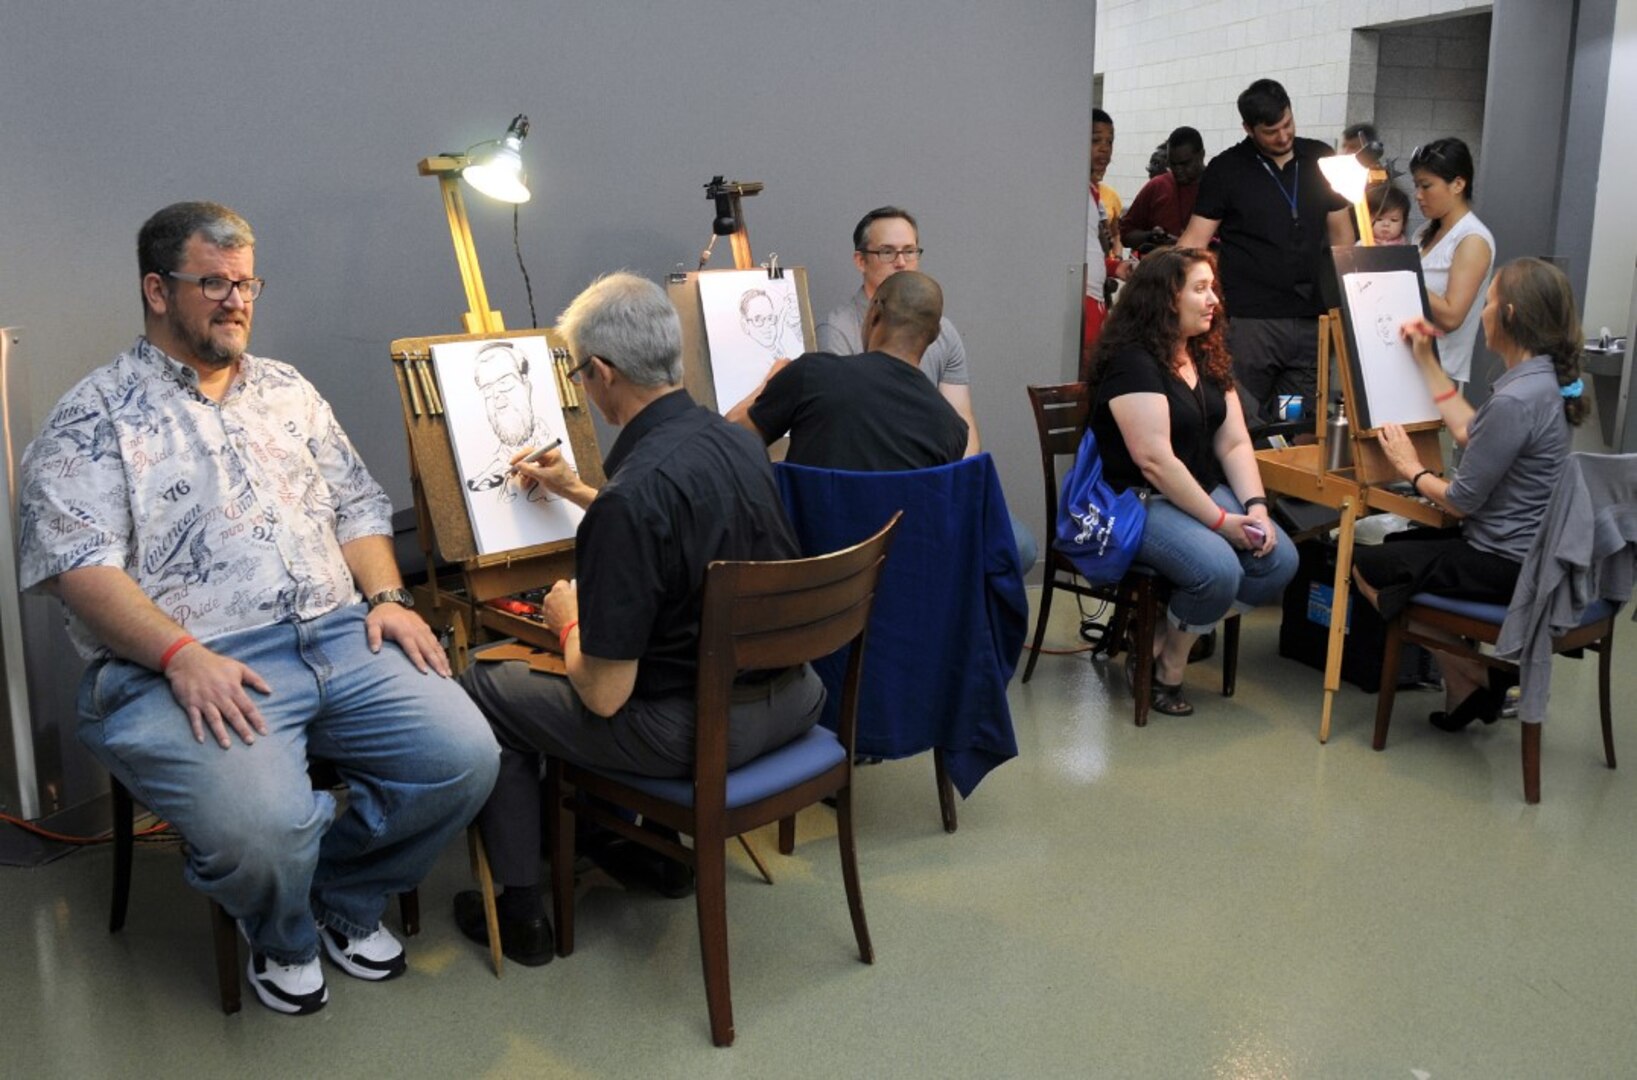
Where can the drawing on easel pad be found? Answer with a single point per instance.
(500, 398)
(1379, 303)
(751, 320)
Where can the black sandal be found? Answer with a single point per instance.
(1167, 698)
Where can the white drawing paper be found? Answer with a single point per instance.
(751, 320)
(500, 397)
(1380, 303)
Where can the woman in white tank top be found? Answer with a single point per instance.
(1457, 250)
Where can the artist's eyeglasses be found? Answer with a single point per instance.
(575, 371)
(217, 288)
(887, 255)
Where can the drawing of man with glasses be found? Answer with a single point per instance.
(501, 372)
(764, 322)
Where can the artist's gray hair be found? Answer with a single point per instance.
(160, 241)
(629, 322)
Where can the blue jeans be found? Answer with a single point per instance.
(417, 757)
(1208, 575)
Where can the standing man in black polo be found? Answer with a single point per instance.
(1275, 214)
(684, 488)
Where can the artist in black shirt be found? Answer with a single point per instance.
(1275, 214)
(684, 488)
(874, 412)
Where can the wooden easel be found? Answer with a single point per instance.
(1358, 489)
(683, 289)
(440, 506)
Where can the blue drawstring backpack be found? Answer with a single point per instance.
(1098, 529)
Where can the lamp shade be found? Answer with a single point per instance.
(1347, 177)
(496, 167)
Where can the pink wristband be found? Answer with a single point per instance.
(1222, 515)
(562, 637)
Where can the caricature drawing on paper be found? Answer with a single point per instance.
(499, 400)
(501, 375)
(1379, 303)
(770, 328)
(751, 320)
(1387, 321)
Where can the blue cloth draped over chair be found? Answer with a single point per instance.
(949, 619)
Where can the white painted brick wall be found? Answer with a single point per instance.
(1167, 63)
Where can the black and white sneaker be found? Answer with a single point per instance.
(376, 956)
(296, 989)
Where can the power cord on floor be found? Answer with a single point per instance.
(83, 841)
(1088, 625)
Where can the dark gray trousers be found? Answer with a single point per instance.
(1273, 357)
(534, 714)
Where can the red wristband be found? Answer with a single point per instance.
(562, 636)
(1222, 515)
(169, 654)
(1439, 399)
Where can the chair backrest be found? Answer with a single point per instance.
(951, 613)
(764, 615)
(1059, 414)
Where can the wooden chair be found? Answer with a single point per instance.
(224, 934)
(756, 616)
(949, 620)
(1060, 415)
(1601, 487)
(1482, 622)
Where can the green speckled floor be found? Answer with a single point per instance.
(1216, 897)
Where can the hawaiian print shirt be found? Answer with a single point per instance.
(230, 515)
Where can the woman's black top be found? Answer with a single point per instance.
(1196, 413)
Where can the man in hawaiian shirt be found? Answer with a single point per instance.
(210, 528)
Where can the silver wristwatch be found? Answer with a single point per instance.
(392, 596)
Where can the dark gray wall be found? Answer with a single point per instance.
(1543, 120)
(309, 118)
(1583, 119)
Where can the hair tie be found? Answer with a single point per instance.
(1573, 390)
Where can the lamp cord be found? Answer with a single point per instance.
(528, 286)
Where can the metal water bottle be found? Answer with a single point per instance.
(1338, 439)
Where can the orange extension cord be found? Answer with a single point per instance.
(63, 838)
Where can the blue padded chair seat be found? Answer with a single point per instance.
(796, 761)
(1496, 613)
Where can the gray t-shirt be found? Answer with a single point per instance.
(842, 332)
(1516, 445)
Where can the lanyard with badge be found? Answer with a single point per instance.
(1292, 197)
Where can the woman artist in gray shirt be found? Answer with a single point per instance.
(1515, 443)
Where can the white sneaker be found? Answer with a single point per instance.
(375, 957)
(297, 989)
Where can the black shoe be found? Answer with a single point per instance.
(638, 867)
(1481, 704)
(522, 941)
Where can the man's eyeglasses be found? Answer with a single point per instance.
(887, 255)
(217, 288)
(575, 371)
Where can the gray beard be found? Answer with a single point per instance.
(511, 426)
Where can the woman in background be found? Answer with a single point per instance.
(1457, 250)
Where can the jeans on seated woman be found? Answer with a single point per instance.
(1209, 576)
(1167, 417)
